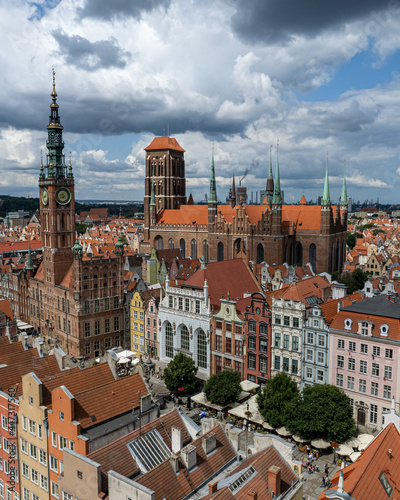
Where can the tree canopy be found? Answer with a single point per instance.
(352, 238)
(280, 391)
(180, 373)
(223, 388)
(322, 411)
(354, 281)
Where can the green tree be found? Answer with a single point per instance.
(323, 411)
(352, 238)
(223, 388)
(354, 281)
(80, 228)
(275, 400)
(180, 372)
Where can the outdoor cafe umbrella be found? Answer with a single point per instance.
(365, 439)
(321, 444)
(267, 426)
(353, 443)
(298, 439)
(355, 455)
(345, 450)
(282, 431)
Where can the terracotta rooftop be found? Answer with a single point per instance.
(162, 143)
(228, 275)
(5, 307)
(361, 479)
(116, 455)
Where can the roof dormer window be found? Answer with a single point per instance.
(364, 328)
(384, 330)
(347, 324)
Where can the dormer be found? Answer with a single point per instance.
(384, 330)
(365, 328)
(348, 323)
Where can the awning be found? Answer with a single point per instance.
(321, 444)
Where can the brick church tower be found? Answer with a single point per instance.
(165, 174)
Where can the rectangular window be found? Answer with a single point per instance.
(350, 383)
(97, 327)
(263, 328)
(362, 385)
(320, 376)
(286, 341)
(252, 326)
(310, 338)
(54, 489)
(285, 364)
(309, 355)
(32, 427)
(286, 320)
(374, 388)
(170, 301)
(96, 305)
(34, 476)
(351, 364)
(238, 348)
(296, 322)
(180, 303)
(218, 343)
(62, 442)
(277, 319)
(53, 464)
(389, 353)
(340, 361)
(6, 445)
(263, 345)
(116, 324)
(373, 414)
(388, 373)
(321, 340)
(33, 451)
(26, 494)
(24, 423)
(375, 369)
(339, 380)
(54, 439)
(320, 358)
(340, 344)
(228, 345)
(4, 422)
(252, 342)
(187, 305)
(252, 361)
(218, 363)
(387, 392)
(107, 304)
(24, 446)
(44, 482)
(277, 340)
(197, 306)
(263, 364)
(238, 367)
(116, 302)
(363, 367)
(352, 346)
(364, 348)
(87, 348)
(309, 373)
(42, 457)
(376, 351)
(107, 325)
(295, 366)
(277, 362)
(25, 470)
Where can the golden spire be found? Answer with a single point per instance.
(54, 93)
(41, 160)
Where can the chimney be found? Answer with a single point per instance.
(274, 480)
(213, 487)
(174, 461)
(176, 440)
(145, 402)
(252, 495)
(189, 456)
(209, 443)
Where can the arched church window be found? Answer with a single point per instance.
(220, 251)
(260, 253)
(185, 338)
(170, 243)
(201, 350)
(205, 251)
(313, 256)
(194, 249)
(182, 246)
(169, 341)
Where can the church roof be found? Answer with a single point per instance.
(161, 143)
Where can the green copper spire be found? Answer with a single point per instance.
(152, 195)
(212, 198)
(277, 198)
(343, 198)
(326, 199)
(29, 265)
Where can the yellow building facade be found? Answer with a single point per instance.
(137, 324)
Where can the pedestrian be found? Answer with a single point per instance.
(326, 467)
(310, 457)
(310, 469)
(323, 482)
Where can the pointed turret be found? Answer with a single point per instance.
(270, 180)
(212, 198)
(326, 198)
(233, 195)
(343, 198)
(277, 198)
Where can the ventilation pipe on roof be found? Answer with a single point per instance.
(189, 456)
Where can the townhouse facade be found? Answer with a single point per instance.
(364, 357)
(151, 317)
(137, 324)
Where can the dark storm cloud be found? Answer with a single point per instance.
(82, 53)
(106, 10)
(276, 20)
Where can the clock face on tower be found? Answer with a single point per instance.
(45, 196)
(63, 196)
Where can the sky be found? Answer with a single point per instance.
(320, 77)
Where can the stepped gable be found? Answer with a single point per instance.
(362, 478)
(233, 275)
(116, 455)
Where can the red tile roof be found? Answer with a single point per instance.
(377, 321)
(228, 275)
(361, 479)
(5, 307)
(161, 143)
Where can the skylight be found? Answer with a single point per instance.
(242, 479)
(149, 450)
